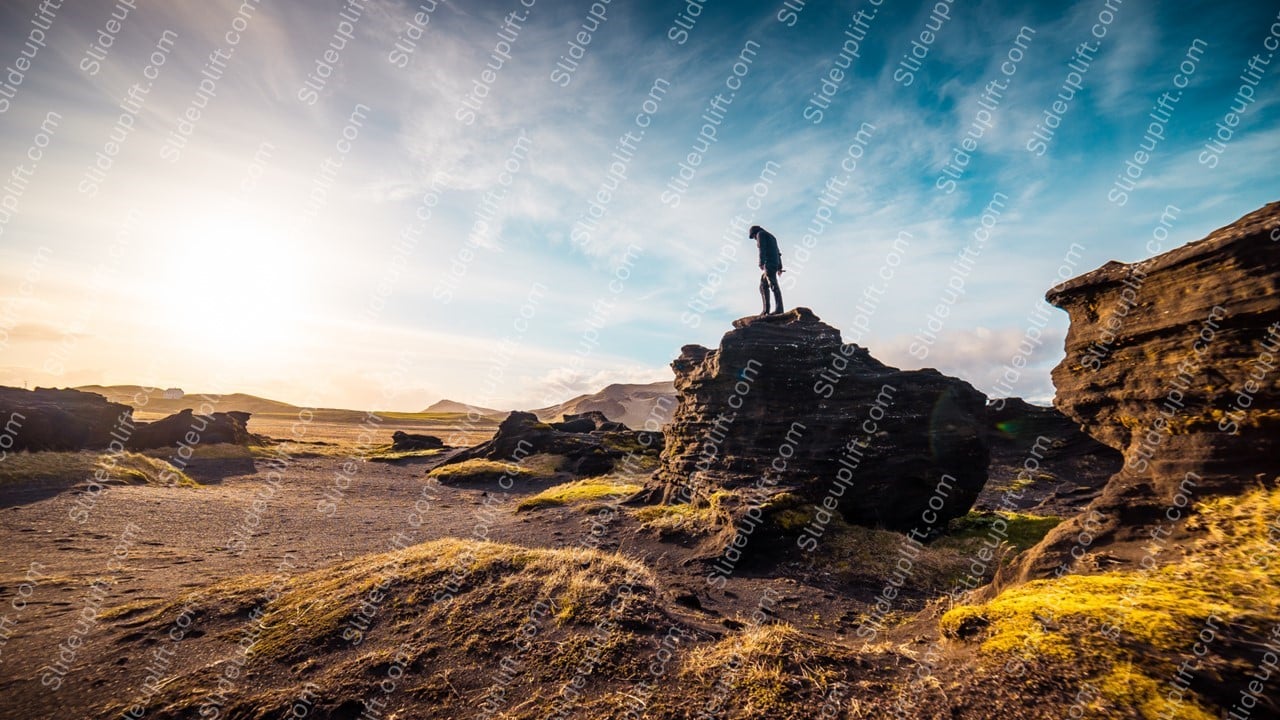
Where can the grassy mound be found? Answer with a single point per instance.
(479, 470)
(701, 517)
(596, 488)
(1019, 530)
(767, 671)
(450, 615)
(465, 629)
(86, 466)
(1131, 631)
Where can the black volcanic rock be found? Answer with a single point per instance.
(50, 419)
(788, 414)
(1194, 323)
(1171, 361)
(521, 434)
(188, 428)
(1054, 467)
(587, 422)
(403, 441)
(1015, 424)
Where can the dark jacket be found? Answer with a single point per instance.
(770, 257)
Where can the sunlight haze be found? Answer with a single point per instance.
(393, 221)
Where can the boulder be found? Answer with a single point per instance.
(51, 419)
(188, 428)
(589, 421)
(403, 441)
(521, 435)
(805, 425)
(1171, 361)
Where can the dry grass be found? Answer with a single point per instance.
(770, 668)
(701, 517)
(479, 470)
(1133, 628)
(84, 466)
(597, 488)
(386, 454)
(214, 451)
(308, 611)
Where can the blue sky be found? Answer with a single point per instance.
(224, 279)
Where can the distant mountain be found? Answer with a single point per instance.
(161, 400)
(629, 404)
(452, 406)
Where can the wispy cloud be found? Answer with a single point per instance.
(227, 272)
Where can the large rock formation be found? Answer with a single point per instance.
(49, 419)
(590, 445)
(1172, 361)
(793, 418)
(188, 428)
(1169, 360)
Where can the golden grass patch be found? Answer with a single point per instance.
(85, 465)
(596, 488)
(1136, 626)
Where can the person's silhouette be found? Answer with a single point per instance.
(771, 265)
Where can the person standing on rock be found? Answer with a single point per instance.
(771, 265)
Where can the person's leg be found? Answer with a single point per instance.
(764, 293)
(772, 278)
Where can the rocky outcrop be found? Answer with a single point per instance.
(583, 453)
(805, 426)
(1053, 467)
(188, 428)
(587, 422)
(49, 419)
(1172, 361)
(403, 441)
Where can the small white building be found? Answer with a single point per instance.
(173, 394)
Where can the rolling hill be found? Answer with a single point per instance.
(630, 404)
(452, 406)
(156, 402)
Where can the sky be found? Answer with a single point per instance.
(377, 204)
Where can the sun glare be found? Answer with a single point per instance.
(233, 286)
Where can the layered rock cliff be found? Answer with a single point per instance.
(49, 419)
(791, 418)
(1172, 361)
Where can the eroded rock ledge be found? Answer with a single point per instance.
(1172, 361)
